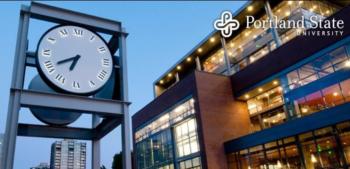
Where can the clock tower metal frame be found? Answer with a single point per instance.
(107, 114)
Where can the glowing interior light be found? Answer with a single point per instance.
(169, 75)
(200, 50)
(313, 158)
(189, 59)
(290, 2)
(275, 82)
(247, 96)
(335, 94)
(161, 82)
(178, 67)
(287, 13)
(260, 90)
(347, 63)
(304, 110)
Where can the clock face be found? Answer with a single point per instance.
(74, 59)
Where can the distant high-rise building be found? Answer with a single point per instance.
(41, 166)
(1, 142)
(68, 154)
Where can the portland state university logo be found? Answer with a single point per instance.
(226, 24)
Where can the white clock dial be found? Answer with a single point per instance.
(74, 59)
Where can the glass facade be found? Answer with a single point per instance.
(272, 105)
(319, 149)
(169, 140)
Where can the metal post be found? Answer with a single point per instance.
(96, 150)
(14, 101)
(227, 60)
(126, 137)
(198, 64)
(274, 32)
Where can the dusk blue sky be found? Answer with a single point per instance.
(160, 33)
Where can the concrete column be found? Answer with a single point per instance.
(177, 77)
(227, 60)
(274, 32)
(198, 64)
(14, 101)
(96, 146)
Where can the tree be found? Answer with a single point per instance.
(117, 161)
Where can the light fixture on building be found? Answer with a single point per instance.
(170, 75)
(189, 59)
(213, 59)
(221, 60)
(250, 8)
(314, 7)
(246, 96)
(290, 2)
(313, 158)
(161, 81)
(335, 94)
(265, 120)
(260, 89)
(212, 39)
(232, 45)
(327, 12)
(275, 82)
(200, 50)
(178, 67)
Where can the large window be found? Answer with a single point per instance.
(194, 163)
(318, 68)
(325, 148)
(155, 151)
(328, 97)
(186, 138)
(176, 114)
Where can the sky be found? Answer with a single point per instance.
(160, 33)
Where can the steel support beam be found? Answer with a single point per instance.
(96, 145)
(274, 32)
(64, 16)
(106, 126)
(227, 60)
(102, 107)
(33, 130)
(14, 106)
(126, 137)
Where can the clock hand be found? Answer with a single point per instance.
(76, 58)
(66, 60)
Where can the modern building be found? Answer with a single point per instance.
(41, 166)
(68, 154)
(264, 98)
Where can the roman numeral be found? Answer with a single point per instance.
(46, 52)
(102, 49)
(51, 40)
(49, 67)
(63, 33)
(78, 32)
(105, 62)
(60, 78)
(102, 75)
(92, 84)
(93, 37)
(76, 85)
